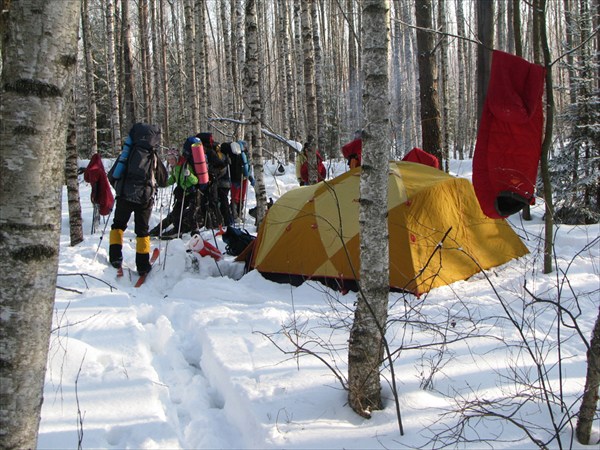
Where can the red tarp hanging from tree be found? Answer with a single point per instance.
(509, 141)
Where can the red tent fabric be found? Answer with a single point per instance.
(421, 156)
(101, 192)
(509, 140)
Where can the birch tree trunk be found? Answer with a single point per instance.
(129, 106)
(166, 115)
(227, 49)
(240, 60)
(309, 92)
(354, 105)
(319, 94)
(366, 344)
(35, 93)
(428, 83)
(71, 178)
(253, 99)
(115, 121)
(202, 82)
(283, 53)
(589, 400)
(190, 69)
(91, 116)
(146, 72)
(461, 124)
(298, 53)
(444, 85)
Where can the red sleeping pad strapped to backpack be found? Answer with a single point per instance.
(101, 193)
(509, 140)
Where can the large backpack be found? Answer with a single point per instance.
(193, 152)
(236, 240)
(143, 170)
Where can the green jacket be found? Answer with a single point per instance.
(183, 175)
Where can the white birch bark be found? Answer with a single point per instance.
(366, 350)
(253, 98)
(115, 120)
(190, 66)
(39, 54)
(91, 116)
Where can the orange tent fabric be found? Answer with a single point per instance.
(312, 232)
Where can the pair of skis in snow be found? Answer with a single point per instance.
(142, 278)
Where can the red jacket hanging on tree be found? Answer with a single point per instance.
(509, 141)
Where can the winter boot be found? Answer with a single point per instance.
(115, 249)
(142, 255)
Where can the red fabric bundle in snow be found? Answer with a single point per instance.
(101, 192)
(421, 156)
(509, 141)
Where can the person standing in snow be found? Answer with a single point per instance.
(135, 185)
(182, 214)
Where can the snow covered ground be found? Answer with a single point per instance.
(203, 357)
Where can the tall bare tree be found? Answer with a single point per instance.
(485, 34)
(428, 83)
(127, 70)
(35, 94)
(251, 86)
(309, 91)
(91, 123)
(72, 182)
(366, 345)
(145, 62)
(115, 121)
(190, 62)
(589, 400)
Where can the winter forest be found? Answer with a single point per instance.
(77, 74)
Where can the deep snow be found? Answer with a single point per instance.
(186, 361)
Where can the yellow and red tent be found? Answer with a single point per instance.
(312, 232)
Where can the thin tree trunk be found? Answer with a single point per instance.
(112, 76)
(319, 94)
(366, 344)
(145, 62)
(444, 85)
(91, 116)
(309, 92)
(166, 88)
(428, 83)
(128, 71)
(589, 400)
(251, 87)
(485, 34)
(461, 124)
(202, 82)
(71, 178)
(546, 144)
(299, 71)
(35, 91)
(190, 69)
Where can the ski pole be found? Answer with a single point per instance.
(102, 236)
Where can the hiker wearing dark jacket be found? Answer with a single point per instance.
(220, 180)
(135, 189)
(182, 214)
